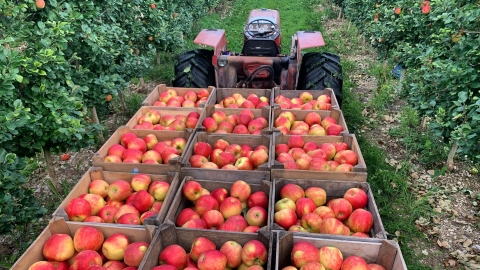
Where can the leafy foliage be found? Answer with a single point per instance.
(440, 48)
(18, 206)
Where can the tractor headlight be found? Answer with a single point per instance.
(222, 61)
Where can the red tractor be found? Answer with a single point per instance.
(260, 64)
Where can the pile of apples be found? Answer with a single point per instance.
(226, 156)
(147, 150)
(88, 249)
(243, 123)
(236, 100)
(311, 125)
(205, 256)
(307, 256)
(297, 154)
(154, 121)
(304, 102)
(222, 210)
(190, 99)
(120, 202)
(307, 210)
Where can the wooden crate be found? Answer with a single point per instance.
(334, 189)
(168, 235)
(210, 109)
(58, 225)
(96, 173)
(163, 111)
(359, 173)
(153, 96)
(221, 93)
(180, 202)
(98, 158)
(253, 141)
(300, 116)
(315, 94)
(384, 252)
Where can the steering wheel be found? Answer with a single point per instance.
(259, 30)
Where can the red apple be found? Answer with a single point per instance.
(244, 163)
(341, 207)
(324, 212)
(119, 190)
(209, 165)
(132, 154)
(205, 203)
(360, 221)
(285, 203)
(344, 168)
(374, 266)
(240, 129)
(304, 252)
(233, 252)
(213, 219)
(290, 165)
(85, 259)
(317, 194)
(88, 237)
(78, 209)
(125, 138)
(311, 222)
(185, 215)
(241, 190)
(318, 164)
(143, 201)
(200, 245)
(258, 157)
(354, 262)
(357, 198)
(254, 252)
(220, 144)
(195, 224)
(258, 198)
(230, 206)
(334, 130)
(346, 157)
(173, 255)
(125, 209)
(251, 229)
(329, 150)
(304, 206)
(58, 247)
(197, 161)
(212, 260)
(332, 226)
(256, 216)
(220, 194)
(134, 253)
(285, 218)
(159, 190)
(202, 148)
(107, 213)
(292, 191)
(224, 158)
(116, 150)
(328, 121)
(330, 257)
(303, 161)
(192, 190)
(140, 181)
(295, 142)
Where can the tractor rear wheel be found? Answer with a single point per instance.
(321, 70)
(194, 69)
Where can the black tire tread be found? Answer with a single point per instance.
(201, 73)
(321, 70)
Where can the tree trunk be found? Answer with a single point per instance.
(122, 101)
(424, 122)
(142, 84)
(95, 119)
(51, 169)
(158, 58)
(453, 150)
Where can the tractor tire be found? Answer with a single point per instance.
(319, 71)
(194, 69)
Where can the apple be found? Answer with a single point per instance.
(219, 116)
(285, 203)
(78, 209)
(112, 158)
(317, 194)
(318, 164)
(311, 222)
(317, 130)
(224, 158)
(58, 247)
(360, 220)
(159, 190)
(119, 190)
(346, 157)
(282, 122)
(197, 160)
(209, 165)
(173, 255)
(88, 237)
(129, 219)
(200, 245)
(107, 213)
(306, 97)
(374, 266)
(330, 257)
(205, 203)
(332, 226)
(134, 253)
(202, 148)
(230, 206)
(334, 130)
(244, 163)
(95, 219)
(191, 122)
(140, 181)
(324, 212)
(295, 142)
(241, 190)
(132, 154)
(116, 149)
(179, 144)
(143, 201)
(344, 168)
(125, 138)
(146, 215)
(304, 206)
(300, 125)
(96, 202)
(284, 157)
(258, 198)
(233, 252)
(166, 153)
(254, 252)
(125, 209)
(112, 265)
(85, 259)
(210, 124)
(165, 267)
(240, 129)
(292, 191)
(256, 216)
(304, 252)
(341, 207)
(42, 265)
(354, 262)
(303, 161)
(220, 194)
(290, 165)
(328, 121)
(357, 198)
(203, 93)
(185, 215)
(285, 218)
(156, 206)
(192, 190)
(213, 219)
(212, 260)
(114, 203)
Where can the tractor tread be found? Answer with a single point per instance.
(194, 69)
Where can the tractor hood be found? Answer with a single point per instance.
(267, 14)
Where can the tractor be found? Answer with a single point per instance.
(260, 64)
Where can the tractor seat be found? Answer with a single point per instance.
(260, 47)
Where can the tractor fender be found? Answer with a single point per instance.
(213, 38)
(308, 39)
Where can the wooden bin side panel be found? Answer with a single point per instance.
(153, 96)
(181, 202)
(315, 93)
(333, 189)
(96, 173)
